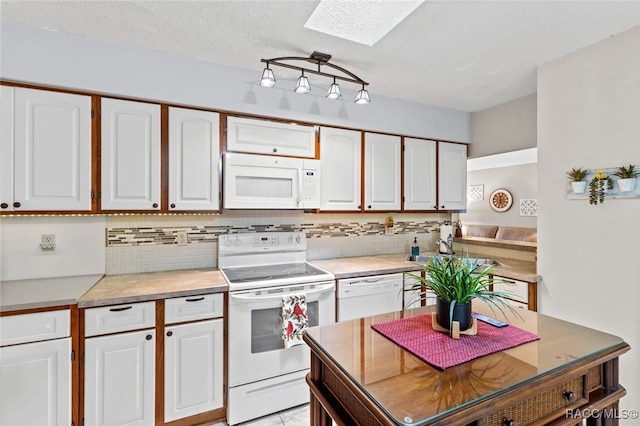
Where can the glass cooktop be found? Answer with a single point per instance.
(260, 273)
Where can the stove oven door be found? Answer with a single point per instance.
(256, 348)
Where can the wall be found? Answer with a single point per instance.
(510, 126)
(64, 60)
(589, 116)
(520, 180)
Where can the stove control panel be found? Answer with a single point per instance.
(262, 242)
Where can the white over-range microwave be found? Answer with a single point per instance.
(269, 182)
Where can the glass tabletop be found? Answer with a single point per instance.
(413, 392)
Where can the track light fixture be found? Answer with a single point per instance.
(303, 86)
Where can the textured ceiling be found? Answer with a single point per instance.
(466, 55)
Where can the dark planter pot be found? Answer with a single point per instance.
(461, 313)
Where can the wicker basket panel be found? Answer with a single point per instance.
(594, 379)
(546, 404)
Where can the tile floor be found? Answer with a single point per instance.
(298, 416)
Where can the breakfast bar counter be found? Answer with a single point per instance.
(359, 376)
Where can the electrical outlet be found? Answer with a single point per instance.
(181, 238)
(48, 242)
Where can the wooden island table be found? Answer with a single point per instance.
(359, 377)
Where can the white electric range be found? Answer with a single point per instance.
(261, 269)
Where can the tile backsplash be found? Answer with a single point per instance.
(148, 243)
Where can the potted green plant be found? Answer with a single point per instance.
(455, 282)
(598, 186)
(576, 176)
(626, 178)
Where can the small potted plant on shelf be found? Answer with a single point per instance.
(456, 281)
(626, 178)
(576, 175)
(598, 186)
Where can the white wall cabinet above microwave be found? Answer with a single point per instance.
(194, 154)
(270, 137)
(45, 150)
(340, 166)
(130, 141)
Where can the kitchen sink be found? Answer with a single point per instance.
(480, 261)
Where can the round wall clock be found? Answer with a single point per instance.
(501, 200)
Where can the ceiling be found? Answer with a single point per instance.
(465, 55)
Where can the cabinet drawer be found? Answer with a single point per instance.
(181, 309)
(34, 327)
(113, 319)
(519, 290)
(543, 407)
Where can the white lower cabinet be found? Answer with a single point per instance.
(35, 383)
(193, 356)
(119, 365)
(119, 379)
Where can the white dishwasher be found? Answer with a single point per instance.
(372, 295)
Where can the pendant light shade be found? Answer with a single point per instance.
(268, 79)
(334, 91)
(302, 86)
(362, 97)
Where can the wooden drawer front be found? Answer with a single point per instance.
(519, 290)
(542, 407)
(114, 319)
(34, 327)
(193, 308)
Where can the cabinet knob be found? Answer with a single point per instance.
(169, 333)
(173, 206)
(155, 205)
(368, 207)
(568, 395)
(442, 207)
(275, 149)
(149, 337)
(507, 422)
(4, 205)
(16, 204)
(359, 206)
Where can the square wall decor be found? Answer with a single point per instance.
(528, 207)
(476, 192)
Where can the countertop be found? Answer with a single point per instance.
(361, 266)
(129, 288)
(18, 295)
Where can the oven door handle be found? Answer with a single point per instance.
(248, 296)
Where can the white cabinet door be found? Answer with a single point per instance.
(193, 369)
(130, 139)
(452, 176)
(340, 168)
(194, 155)
(419, 174)
(46, 150)
(381, 172)
(270, 137)
(119, 379)
(35, 383)
(6, 148)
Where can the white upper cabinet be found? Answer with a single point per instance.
(340, 168)
(270, 137)
(45, 151)
(130, 141)
(381, 172)
(452, 176)
(419, 174)
(194, 155)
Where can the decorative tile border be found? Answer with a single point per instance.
(142, 236)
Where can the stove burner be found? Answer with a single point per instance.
(253, 276)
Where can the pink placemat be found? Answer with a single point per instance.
(416, 335)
